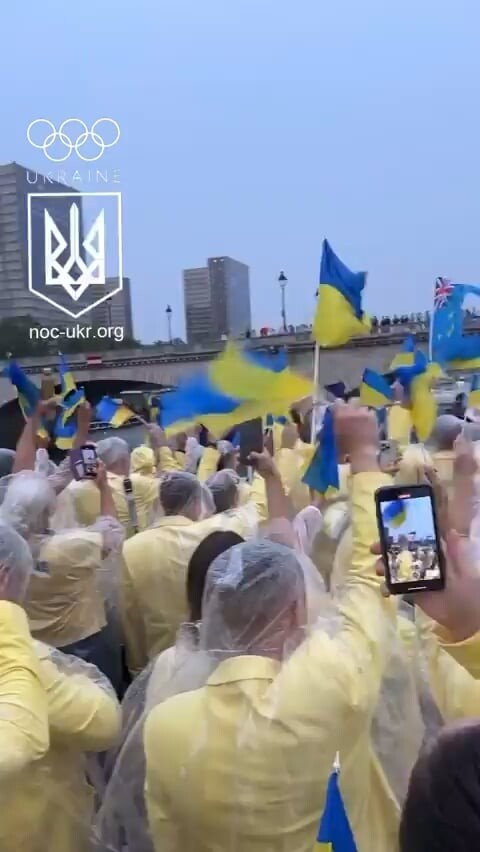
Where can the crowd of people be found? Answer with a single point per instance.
(185, 653)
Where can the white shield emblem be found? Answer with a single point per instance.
(68, 262)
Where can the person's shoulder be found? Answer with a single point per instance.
(174, 719)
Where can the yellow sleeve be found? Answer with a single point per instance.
(168, 462)
(180, 459)
(80, 712)
(291, 467)
(24, 734)
(208, 464)
(132, 621)
(456, 692)
(352, 662)
(163, 828)
(399, 425)
(466, 653)
(258, 496)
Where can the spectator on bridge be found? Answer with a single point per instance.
(155, 565)
(134, 514)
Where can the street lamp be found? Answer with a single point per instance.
(282, 280)
(169, 322)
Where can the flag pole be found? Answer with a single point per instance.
(316, 395)
(430, 333)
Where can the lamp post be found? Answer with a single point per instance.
(169, 322)
(282, 280)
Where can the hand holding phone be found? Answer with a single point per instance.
(251, 439)
(409, 539)
(84, 462)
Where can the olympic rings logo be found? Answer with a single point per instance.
(73, 145)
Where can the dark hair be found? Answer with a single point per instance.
(442, 809)
(207, 551)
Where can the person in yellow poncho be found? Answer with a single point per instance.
(243, 762)
(53, 709)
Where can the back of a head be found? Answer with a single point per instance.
(442, 809)
(207, 551)
(142, 460)
(223, 487)
(254, 601)
(447, 429)
(181, 494)
(16, 564)
(28, 503)
(115, 454)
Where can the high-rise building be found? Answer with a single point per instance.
(198, 304)
(16, 300)
(217, 300)
(115, 311)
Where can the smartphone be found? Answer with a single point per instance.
(251, 439)
(409, 539)
(84, 462)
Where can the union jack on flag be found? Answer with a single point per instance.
(443, 291)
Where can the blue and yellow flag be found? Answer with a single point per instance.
(113, 411)
(416, 381)
(474, 395)
(335, 833)
(339, 315)
(238, 386)
(395, 513)
(72, 396)
(64, 433)
(449, 345)
(375, 391)
(405, 358)
(321, 473)
(28, 392)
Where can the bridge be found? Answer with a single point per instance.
(166, 365)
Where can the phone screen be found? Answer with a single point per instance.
(83, 462)
(251, 439)
(409, 538)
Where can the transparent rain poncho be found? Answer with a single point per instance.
(224, 487)
(263, 603)
(51, 804)
(114, 451)
(16, 563)
(76, 569)
(181, 493)
(193, 453)
(122, 818)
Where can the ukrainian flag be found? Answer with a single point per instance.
(113, 411)
(405, 358)
(64, 433)
(72, 396)
(339, 315)
(27, 391)
(375, 392)
(321, 473)
(335, 833)
(417, 381)
(395, 513)
(474, 395)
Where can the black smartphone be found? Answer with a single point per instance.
(409, 539)
(251, 439)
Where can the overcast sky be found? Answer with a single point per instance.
(255, 128)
